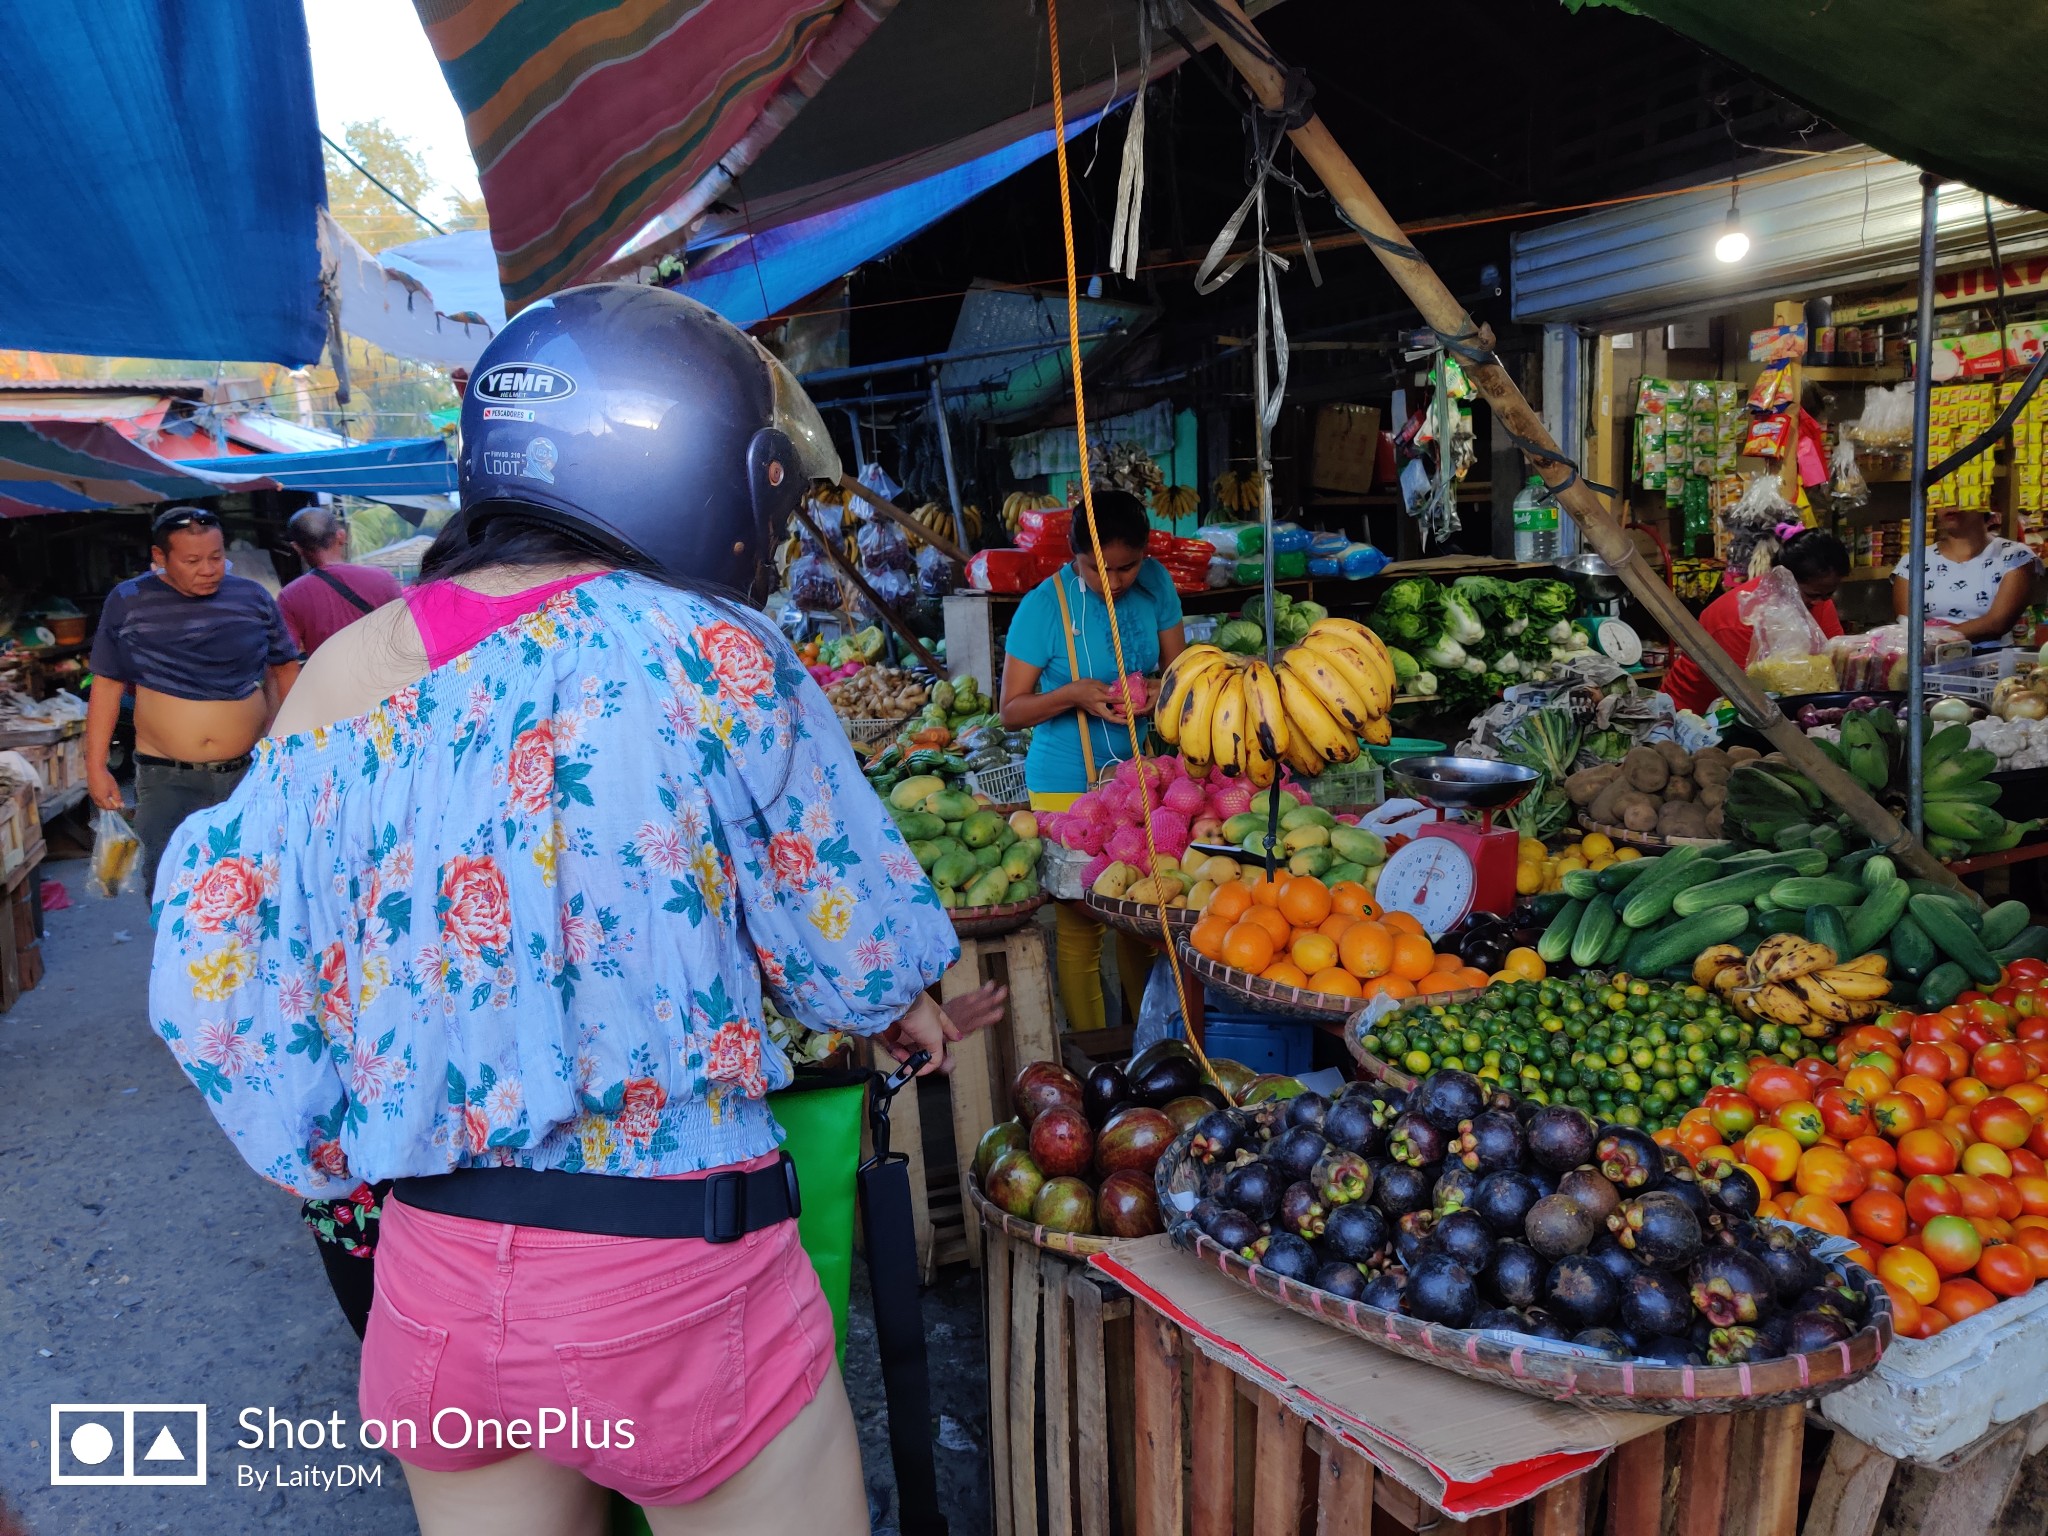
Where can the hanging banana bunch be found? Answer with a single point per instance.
(1243, 495)
(1176, 501)
(1312, 708)
(941, 522)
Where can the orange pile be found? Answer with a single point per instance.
(1332, 939)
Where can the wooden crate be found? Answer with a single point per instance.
(1061, 1407)
(1217, 1454)
(938, 1125)
(21, 829)
(21, 956)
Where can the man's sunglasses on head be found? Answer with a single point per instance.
(183, 517)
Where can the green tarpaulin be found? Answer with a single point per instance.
(1952, 86)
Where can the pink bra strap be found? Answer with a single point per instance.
(451, 618)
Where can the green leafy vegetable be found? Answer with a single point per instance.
(1405, 666)
(1410, 612)
(1549, 600)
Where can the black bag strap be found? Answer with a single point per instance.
(348, 592)
(884, 1192)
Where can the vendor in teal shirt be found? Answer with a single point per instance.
(1056, 688)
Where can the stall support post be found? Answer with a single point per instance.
(1916, 509)
(1361, 207)
(946, 453)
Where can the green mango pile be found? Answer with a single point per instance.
(975, 857)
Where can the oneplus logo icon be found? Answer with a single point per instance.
(128, 1444)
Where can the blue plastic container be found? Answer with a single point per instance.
(1263, 1043)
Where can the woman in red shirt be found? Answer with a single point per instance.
(1817, 561)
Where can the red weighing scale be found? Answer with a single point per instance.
(1452, 868)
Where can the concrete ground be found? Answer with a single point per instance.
(142, 1262)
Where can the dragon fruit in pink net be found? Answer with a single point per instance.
(1183, 796)
(1228, 799)
(1128, 845)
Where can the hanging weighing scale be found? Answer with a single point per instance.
(1452, 868)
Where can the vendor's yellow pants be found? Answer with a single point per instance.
(1078, 960)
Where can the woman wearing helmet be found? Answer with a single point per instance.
(493, 917)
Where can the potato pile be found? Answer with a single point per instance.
(1660, 788)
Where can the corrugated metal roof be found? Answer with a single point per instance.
(1849, 216)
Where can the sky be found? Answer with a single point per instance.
(371, 59)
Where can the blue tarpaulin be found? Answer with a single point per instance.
(87, 466)
(761, 276)
(413, 466)
(159, 180)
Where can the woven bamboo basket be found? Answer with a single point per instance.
(1644, 839)
(1624, 1385)
(1268, 996)
(1138, 918)
(987, 922)
(1074, 1245)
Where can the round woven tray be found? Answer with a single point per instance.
(1627, 1386)
(1072, 1244)
(1643, 839)
(1140, 919)
(1372, 1066)
(1267, 996)
(986, 922)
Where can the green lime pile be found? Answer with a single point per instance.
(1627, 1051)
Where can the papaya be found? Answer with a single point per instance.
(981, 829)
(988, 890)
(1019, 860)
(911, 793)
(920, 826)
(952, 805)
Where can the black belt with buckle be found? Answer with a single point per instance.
(718, 1208)
(144, 760)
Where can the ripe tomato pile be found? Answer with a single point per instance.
(1925, 1142)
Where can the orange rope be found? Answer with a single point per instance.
(1116, 639)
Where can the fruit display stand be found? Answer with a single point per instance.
(1251, 1418)
(983, 1065)
(1060, 1387)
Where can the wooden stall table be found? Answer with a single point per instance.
(1249, 1418)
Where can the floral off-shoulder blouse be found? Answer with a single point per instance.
(523, 912)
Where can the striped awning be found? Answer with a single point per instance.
(53, 465)
(607, 131)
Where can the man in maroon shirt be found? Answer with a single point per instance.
(332, 594)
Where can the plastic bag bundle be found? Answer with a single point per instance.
(936, 575)
(1846, 486)
(1887, 420)
(883, 547)
(1752, 525)
(1787, 651)
(116, 868)
(813, 583)
(1875, 662)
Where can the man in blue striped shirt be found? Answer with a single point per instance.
(209, 660)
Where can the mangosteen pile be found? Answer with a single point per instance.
(1483, 1210)
(1079, 1155)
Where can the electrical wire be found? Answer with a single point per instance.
(1116, 639)
(364, 170)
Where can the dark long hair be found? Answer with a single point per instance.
(519, 540)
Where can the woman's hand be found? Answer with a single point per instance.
(1105, 701)
(972, 1012)
(924, 1028)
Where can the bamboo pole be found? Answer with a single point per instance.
(838, 557)
(1426, 291)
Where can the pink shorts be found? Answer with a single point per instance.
(656, 1367)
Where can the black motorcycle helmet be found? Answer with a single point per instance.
(644, 422)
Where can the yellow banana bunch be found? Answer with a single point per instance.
(1176, 501)
(1308, 710)
(1243, 494)
(1796, 982)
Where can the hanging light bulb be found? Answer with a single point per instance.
(1734, 242)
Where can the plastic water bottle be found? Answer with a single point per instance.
(1535, 524)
